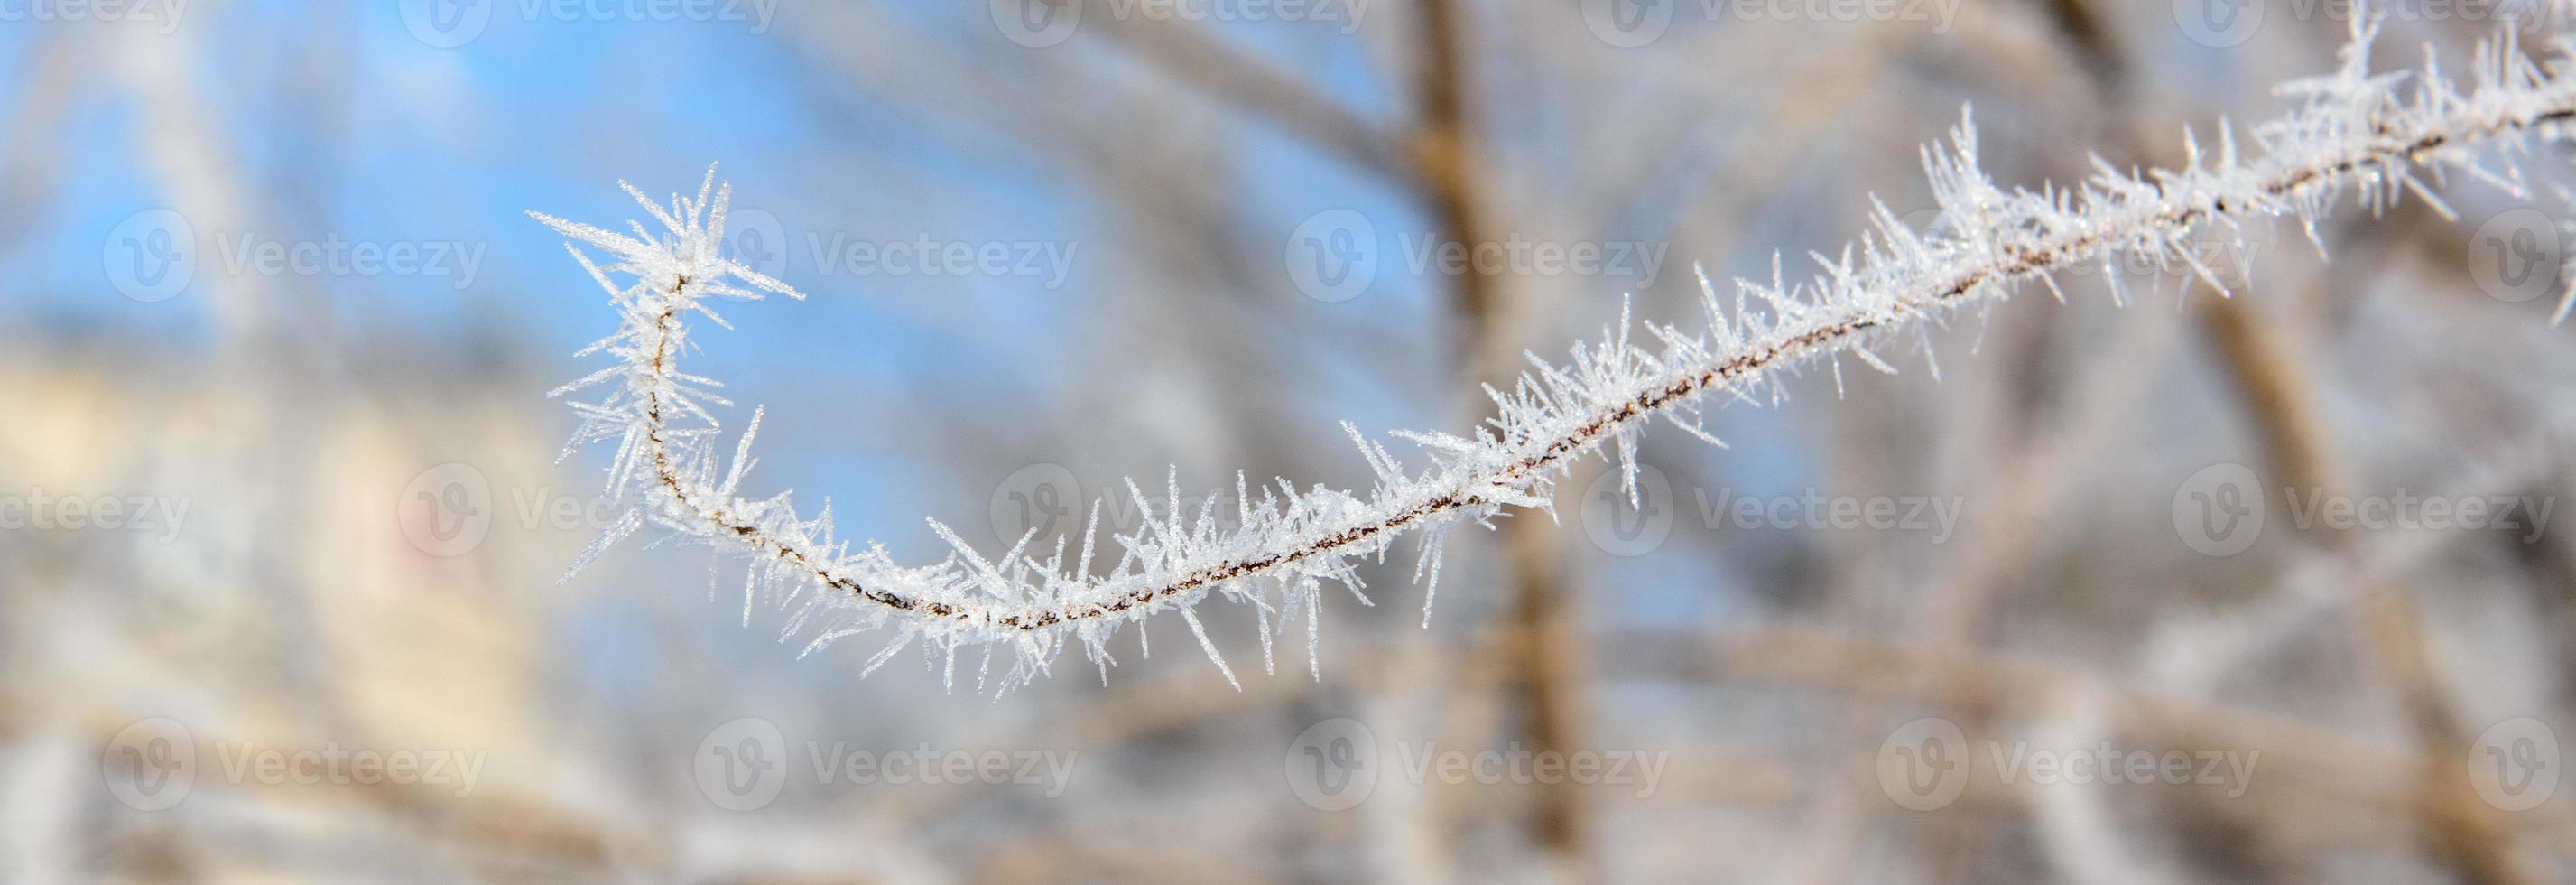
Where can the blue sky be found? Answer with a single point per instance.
(350, 126)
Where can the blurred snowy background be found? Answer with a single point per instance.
(280, 524)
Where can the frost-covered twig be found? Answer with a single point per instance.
(2351, 132)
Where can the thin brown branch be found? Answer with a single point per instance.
(1536, 458)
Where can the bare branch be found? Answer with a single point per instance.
(2352, 132)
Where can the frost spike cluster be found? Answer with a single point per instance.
(2374, 136)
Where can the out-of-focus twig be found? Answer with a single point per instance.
(1254, 87)
(1448, 160)
(2266, 364)
(2457, 824)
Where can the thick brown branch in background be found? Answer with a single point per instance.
(1549, 662)
(1437, 159)
(1191, 55)
(2266, 365)
(2457, 824)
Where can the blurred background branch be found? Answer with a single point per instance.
(354, 526)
